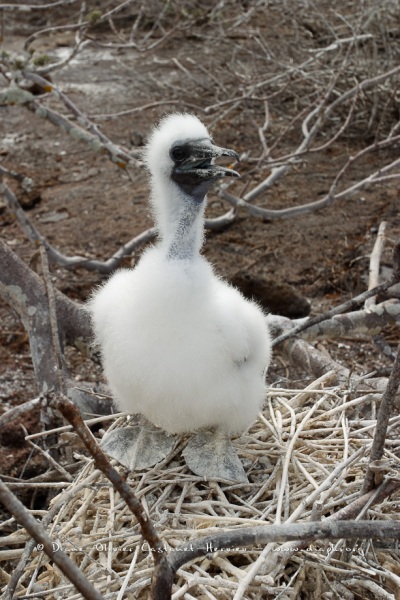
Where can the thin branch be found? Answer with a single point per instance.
(327, 200)
(107, 266)
(221, 222)
(55, 334)
(383, 417)
(53, 29)
(321, 114)
(281, 159)
(117, 9)
(56, 466)
(349, 305)
(23, 289)
(96, 140)
(368, 322)
(17, 411)
(375, 177)
(32, 307)
(29, 7)
(82, 118)
(61, 259)
(140, 109)
(21, 566)
(162, 573)
(62, 560)
(277, 172)
(363, 86)
(115, 153)
(350, 511)
(260, 536)
(30, 230)
(374, 263)
(318, 54)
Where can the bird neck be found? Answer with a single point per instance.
(181, 225)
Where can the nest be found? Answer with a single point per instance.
(305, 458)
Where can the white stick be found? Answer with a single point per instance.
(374, 264)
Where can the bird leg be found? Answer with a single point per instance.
(138, 447)
(211, 455)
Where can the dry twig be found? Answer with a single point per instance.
(67, 566)
(374, 264)
(162, 578)
(349, 305)
(384, 414)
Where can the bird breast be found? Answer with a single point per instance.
(180, 346)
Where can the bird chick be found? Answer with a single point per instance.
(180, 346)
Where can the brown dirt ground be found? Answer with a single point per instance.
(84, 204)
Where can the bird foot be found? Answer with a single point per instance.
(138, 448)
(212, 456)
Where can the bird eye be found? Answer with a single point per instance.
(178, 153)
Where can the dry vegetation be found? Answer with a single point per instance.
(309, 95)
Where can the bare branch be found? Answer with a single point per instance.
(21, 566)
(260, 536)
(368, 322)
(61, 259)
(30, 230)
(374, 264)
(363, 86)
(107, 266)
(18, 411)
(93, 137)
(31, 306)
(286, 213)
(62, 560)
(140, 109)
(116, 154)
(321, 115)
(56, 466)
(30, 7)
(83, 120)
(55, 334)
(374, 177)
(352, 510)
(343, 307)
(383, 417)
(305, 356)
(162, 578)
(22, 289)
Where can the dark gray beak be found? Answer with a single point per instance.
(194, 162)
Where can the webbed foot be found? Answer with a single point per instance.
(138, 447)
(211, 455)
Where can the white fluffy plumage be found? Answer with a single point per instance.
(179, 345)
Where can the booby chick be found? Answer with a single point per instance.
(180, 346)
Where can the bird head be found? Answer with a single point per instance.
(181, 149)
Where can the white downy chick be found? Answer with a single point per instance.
(179, 345)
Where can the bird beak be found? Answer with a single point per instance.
(199, 162)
